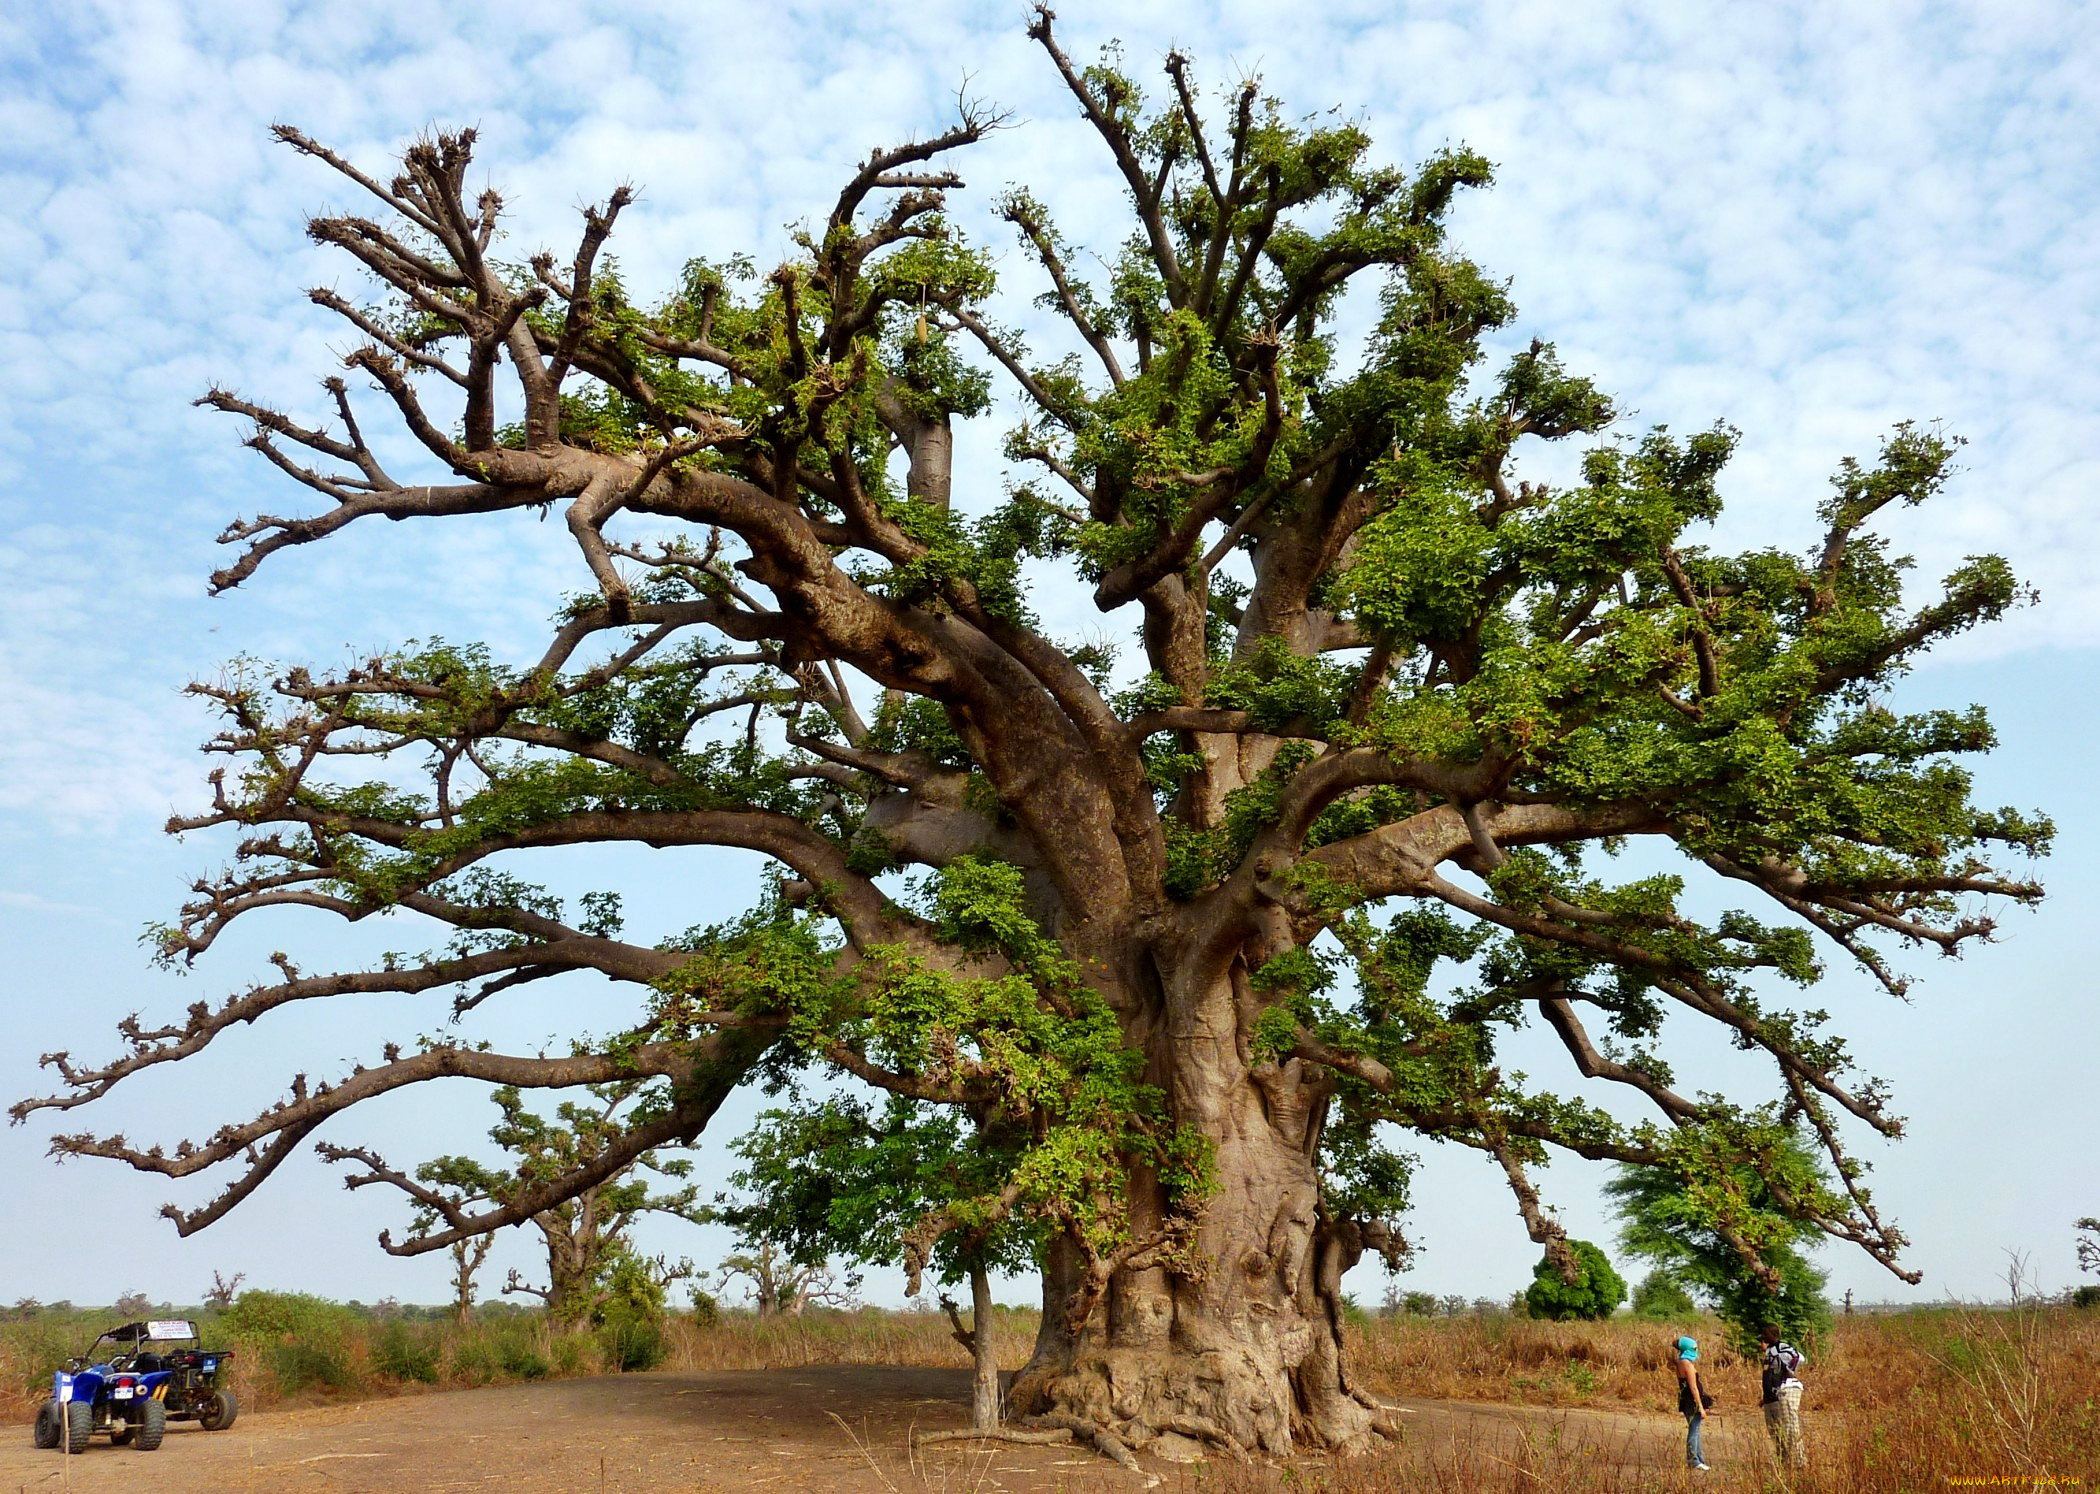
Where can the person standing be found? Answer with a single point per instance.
(1782, 1383)
(1692, 1400)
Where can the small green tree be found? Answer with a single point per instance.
(1662, 1298)
(1730, 1226)
(881, 1185)
(1595, 1292)
(628, 1306)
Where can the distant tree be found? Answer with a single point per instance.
(1734, 1233)
(441, 1192)
(133, 1305)
(220, 1294)
(1595, 1292)
(1419, 1304)
(584, 1232)
(781, 1286)
(1661, 1297)
(2088, 1260)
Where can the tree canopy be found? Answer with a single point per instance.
(1596, 1291)
(1732, 1234)
(1194, 921)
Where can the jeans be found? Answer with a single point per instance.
(1783, 1421)
(1692, 1424)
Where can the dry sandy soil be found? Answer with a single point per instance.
(776, 1431)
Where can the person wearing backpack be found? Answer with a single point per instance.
(1782, 1384)
(1692, 1400)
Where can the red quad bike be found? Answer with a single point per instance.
(154, 1373)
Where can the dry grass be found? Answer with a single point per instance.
(1899, 1401)
(743, 1341)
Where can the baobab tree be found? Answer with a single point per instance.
(1194, 934)
(587, 1233)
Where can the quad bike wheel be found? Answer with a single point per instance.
(80, 1426)
(152, 1425)
(48, 1422)
(217, 1414)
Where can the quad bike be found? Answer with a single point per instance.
(154, 1373)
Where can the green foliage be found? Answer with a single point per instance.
(407, 1353)
(588, 1255)
(1059, 1110)
(707, 1312)
(1682, 1221)
(259, 1316)
(302, 1339)
(518, 1356)
(1662, 1298)
(1596, 1291)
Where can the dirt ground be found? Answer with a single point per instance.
(800, 1431)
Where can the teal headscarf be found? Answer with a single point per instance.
(1688, 1348)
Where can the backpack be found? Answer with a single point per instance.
(1781, 1360)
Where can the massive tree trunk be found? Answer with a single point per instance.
(1247, 1353)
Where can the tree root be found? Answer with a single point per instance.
(1061, 1429)
(1041, 1438)
(1203, 1429)
(1107, 1443)
(1385, 1419)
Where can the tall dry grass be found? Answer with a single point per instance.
(745, 1341)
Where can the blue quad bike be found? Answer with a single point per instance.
(153, 1373)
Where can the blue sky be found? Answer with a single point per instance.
(1808, 220)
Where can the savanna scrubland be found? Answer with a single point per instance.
(1897, 1400)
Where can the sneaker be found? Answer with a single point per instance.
(1701, 1468)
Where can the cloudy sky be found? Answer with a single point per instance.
(1808, 220)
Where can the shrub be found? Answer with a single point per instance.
(301, 1339)
(518, 1356)
(1596, 1291)
(1661, 1297)
(633, 1345)
(707, 1313)
(40, 1349)
(472, 1361)
(310, 1364)
(2086, 1296)
(259, 1316)
(403, 1354)
(572, 1354)
(631, 1318)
